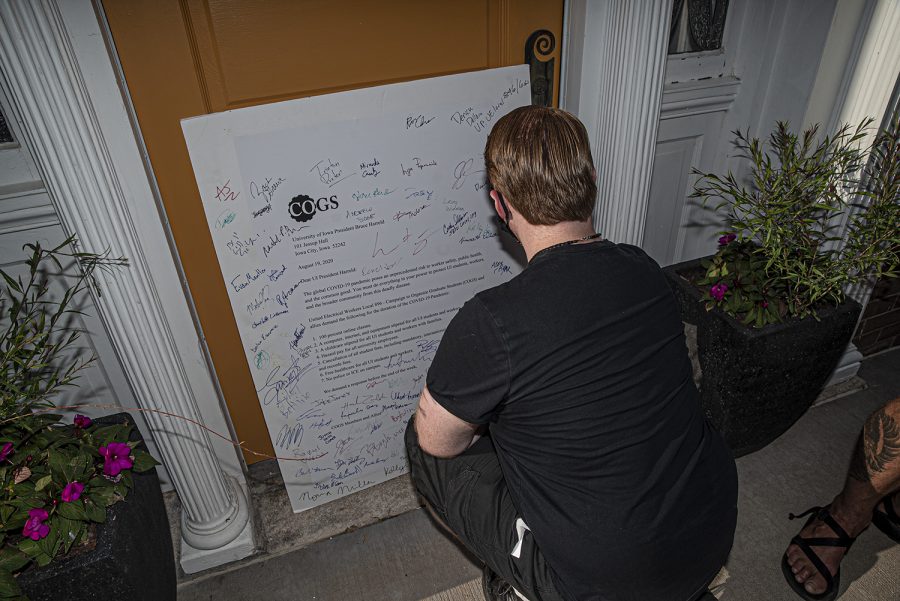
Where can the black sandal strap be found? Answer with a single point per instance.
(816, 561)
(791, 516)
(825, 516)
(888, 504)
(806, 544)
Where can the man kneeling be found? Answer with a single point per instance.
(596, 476)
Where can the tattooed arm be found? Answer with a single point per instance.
(876, 459)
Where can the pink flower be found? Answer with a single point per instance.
(764, 304)
(116, 458)
(6, 451)
(718, 291)
(35, 528)
(727, 239)
(72, 491)
(83, 421)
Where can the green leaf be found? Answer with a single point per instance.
(58, 460)
(94, 512)
(8, 585)
(72, 511)
(11, 282)
(107, 434)
(51, 544)
(82, 466)
(105, 495)
(33, 549)
(69, 530)
(143, 461)
(12, 560)
(42, 483)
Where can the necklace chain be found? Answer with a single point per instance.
(566, 243)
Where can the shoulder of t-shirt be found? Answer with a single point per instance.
(491, 298)
(636, 252)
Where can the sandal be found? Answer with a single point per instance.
(495, 588)
(832, 583)
(887, 521)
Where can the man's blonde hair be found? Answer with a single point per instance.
(539, 159)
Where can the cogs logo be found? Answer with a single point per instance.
(303, 208)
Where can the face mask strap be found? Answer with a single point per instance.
(504, 223)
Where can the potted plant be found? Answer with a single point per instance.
(772, 319)
(81, 512)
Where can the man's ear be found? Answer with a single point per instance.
(498, 205)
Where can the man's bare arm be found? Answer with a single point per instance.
(441, 433)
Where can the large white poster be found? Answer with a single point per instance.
(349, 229)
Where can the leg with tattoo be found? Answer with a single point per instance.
(871, 486)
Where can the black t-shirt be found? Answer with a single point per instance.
(579, 366)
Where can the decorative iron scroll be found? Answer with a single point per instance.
(538, 48)
(704, 28)
(707, 23)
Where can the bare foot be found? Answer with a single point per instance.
(804, 571)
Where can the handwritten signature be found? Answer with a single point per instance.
(289, 436)
(379, 268)
(411, 213)
(281, 388)
(225, 218)
(463, 170)
(265, 190)
(419, 243)
(224, 192)
(370, 168)
(500, 267)
(418, 121)
(330, 172)
(459, 220)
(241, 246)
(427, 348)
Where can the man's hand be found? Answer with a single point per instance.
(441, 433)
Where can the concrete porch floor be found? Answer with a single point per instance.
(378, 545)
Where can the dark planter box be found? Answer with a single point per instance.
(757, 382)
(132, 558)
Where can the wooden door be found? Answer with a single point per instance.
(184, 58)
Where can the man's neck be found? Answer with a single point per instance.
(536, 238)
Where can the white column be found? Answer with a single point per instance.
(615, 87)
(868, 83)
(62, 127)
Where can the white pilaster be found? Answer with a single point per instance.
(615, 87)
(866, 92)
(61, 122)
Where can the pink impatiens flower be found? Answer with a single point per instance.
(727, 239)
(718, 291)
(35, 528)
(117, 457)
(72, 492)
(6, 451)
(83, 421)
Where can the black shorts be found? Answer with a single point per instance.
(469, 494)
